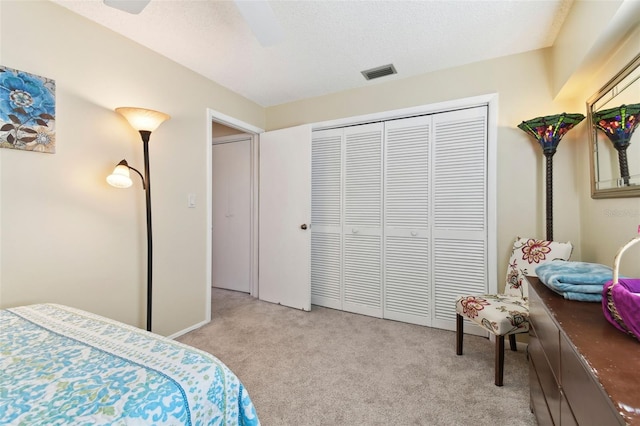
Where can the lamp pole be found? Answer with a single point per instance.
(145, 134)
(549, 206)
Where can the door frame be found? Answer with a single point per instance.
(491, 101)
(242, 137)
(213, 117)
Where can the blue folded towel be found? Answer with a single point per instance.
(581, 281)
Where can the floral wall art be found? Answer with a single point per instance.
(27, 111)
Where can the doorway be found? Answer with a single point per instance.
(225, 126)
(231, 196)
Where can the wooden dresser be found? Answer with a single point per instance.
(582, 370)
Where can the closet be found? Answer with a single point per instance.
(399, 216)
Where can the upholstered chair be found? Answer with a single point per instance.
(508, 314)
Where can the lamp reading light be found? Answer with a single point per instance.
(120, 178)
(144, 121)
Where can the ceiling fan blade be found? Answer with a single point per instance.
(262, 21)
(130, 6)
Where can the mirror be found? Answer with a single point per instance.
(615, 172)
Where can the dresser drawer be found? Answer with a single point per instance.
(538, 403)
(546, 379)
(547, 332)
(586, 397)
(566, 415)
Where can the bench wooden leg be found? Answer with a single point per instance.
(499, 359)
(459, 333)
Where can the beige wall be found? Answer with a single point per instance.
(67, 236)
(524, 93)
(532, 84)
(220, 130)
(606, 224)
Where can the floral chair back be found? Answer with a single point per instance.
(527, 254)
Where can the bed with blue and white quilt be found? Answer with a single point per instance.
(60, 365)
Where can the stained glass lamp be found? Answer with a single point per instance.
(618, 124)
(548, 131)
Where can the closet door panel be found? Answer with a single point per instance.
(459, 210)
(460, 177)
(326, 261)
(459, 269)
(326, 218)
(407, 290)
(363, 274)
(406, 280)
(362, 228)
(363, 176)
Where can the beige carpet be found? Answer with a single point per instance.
(328, 367)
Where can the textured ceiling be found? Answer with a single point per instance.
(328, 43)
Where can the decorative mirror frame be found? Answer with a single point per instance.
(594, 139)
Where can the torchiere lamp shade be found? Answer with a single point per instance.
(143, 119)
(618, 124)
(549, 130)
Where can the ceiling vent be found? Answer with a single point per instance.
(378, 72)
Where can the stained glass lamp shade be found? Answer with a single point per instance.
(619, 124)
(548, 131)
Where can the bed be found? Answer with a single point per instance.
(60, 365)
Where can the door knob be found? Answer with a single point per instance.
(303, 226)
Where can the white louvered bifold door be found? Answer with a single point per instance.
(459, 210)
(407, 290)
(326, 218)
(362, 227)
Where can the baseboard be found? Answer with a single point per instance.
(186, 330)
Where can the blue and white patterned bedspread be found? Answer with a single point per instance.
(60, 365)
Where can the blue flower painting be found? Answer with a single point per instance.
(27, 111)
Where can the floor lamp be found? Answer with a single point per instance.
(548, 131)
(144, 121)
(618, 124)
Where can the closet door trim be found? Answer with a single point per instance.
(491, 102)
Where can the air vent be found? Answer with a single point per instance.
(378, 72)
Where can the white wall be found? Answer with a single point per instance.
(67, 236)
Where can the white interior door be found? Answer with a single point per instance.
(460, 211)
(362, 225)
(231, 191)
(285, 209)
(407, 288)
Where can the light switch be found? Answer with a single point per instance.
(191, 201)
